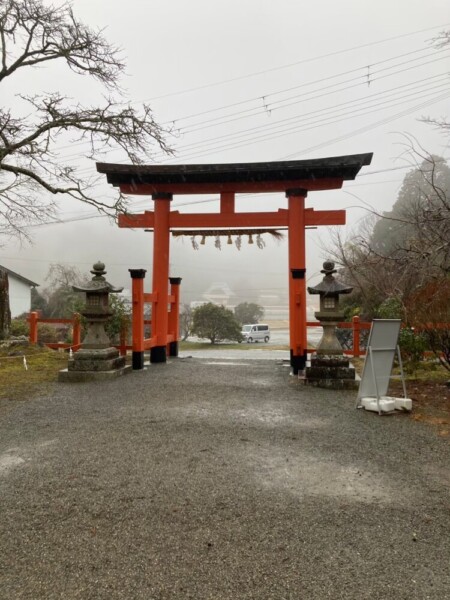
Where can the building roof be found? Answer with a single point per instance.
(20, 277)
(219, 289)
(287, 174)
(328, 286)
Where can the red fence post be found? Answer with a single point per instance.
(33, 319)
(137, 318)
(174, 315)
(356, 339)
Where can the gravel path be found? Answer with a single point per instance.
(214, 478)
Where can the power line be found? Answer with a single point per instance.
(368, 127)
(317, 124)
(280, 104)
(296, 63)
(263, 109)
(325, 113)
(288, 132)
(266, 96)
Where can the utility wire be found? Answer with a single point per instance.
(289, 89)
(366, 128)
(261, 109)
(325, 112)
(165, 159)
(317, 124)
(280, 104)
(296, 63)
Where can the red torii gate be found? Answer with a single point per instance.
(294, 178)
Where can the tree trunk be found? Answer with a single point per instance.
(5, 313)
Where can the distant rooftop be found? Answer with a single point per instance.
(20, 277)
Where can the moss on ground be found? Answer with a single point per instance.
(18, 383)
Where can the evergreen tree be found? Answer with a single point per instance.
(248, 312)
(216, 323)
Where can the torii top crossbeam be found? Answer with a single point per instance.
(295, 178)
(316, 174)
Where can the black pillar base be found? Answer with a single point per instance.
(173, 348)
(298, 362)
(137, 360)
(158, 354)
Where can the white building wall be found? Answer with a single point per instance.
(19, 296)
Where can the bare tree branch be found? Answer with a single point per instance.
(32, 171)
(33, 33)
(396, 254)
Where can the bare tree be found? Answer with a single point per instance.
(61, 300)
(373, 277)
(395, 254)
(442, 40)
(5, 313)
(32, 173)
(422, 212)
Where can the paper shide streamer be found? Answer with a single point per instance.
(217, 234)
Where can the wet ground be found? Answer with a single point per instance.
(219, 478)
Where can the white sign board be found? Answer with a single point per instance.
(381, 349)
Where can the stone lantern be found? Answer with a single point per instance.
(97, 358)
(329, 367)
(329, 314)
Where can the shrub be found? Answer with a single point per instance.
(412, 346)
(47, 334)
(19, 327)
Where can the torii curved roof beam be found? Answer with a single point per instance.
(313, 174)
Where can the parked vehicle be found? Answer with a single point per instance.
(256, 333)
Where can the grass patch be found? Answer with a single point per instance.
(17, 383)
(426, 371)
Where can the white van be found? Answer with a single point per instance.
(256, 333)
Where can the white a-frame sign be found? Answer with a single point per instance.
(381, 350)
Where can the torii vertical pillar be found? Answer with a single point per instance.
(297, 279)
(161, 249)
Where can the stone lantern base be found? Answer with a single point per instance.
(332, 372)
(94, 365)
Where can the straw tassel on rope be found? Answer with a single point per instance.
(217, 234)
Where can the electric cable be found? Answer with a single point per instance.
(299, 62)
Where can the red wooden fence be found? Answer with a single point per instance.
(356, 325)
(34, 319)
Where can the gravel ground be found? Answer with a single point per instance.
(214, 478)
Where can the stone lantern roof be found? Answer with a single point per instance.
(98, 283)
(329, 286)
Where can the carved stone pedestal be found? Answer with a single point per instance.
(94, 365)
(331, 372)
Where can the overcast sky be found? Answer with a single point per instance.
(255, 81)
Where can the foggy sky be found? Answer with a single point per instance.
(190, 59)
